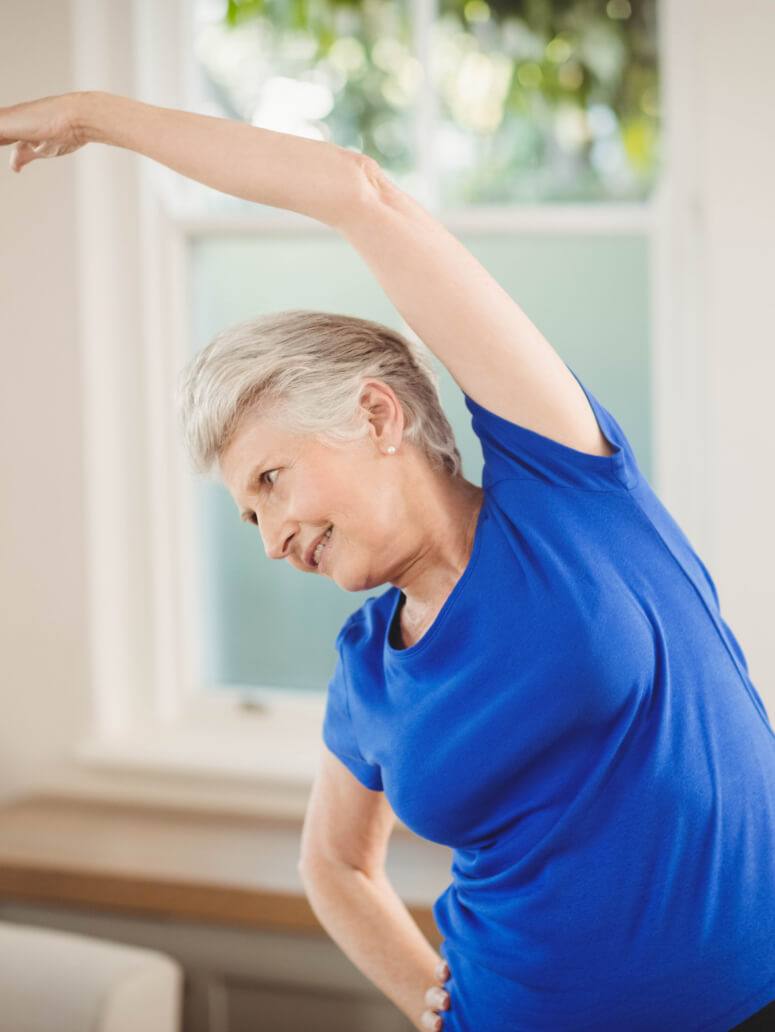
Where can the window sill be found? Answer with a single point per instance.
(257, 758)
(221, 216)
(270, 738)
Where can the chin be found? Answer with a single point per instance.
(353, 587)
(363, 584)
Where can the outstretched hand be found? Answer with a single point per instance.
(45, 128)
(437, 998)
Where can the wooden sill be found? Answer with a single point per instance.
(224, 868)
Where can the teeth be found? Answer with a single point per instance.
(319, 548)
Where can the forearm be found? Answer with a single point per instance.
(312, 177)
(370, 923)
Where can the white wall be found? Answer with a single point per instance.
(43, 684)
(43, 627)
(738, 163)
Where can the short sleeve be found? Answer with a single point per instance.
(338, 731)
(512, 451)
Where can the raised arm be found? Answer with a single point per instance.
(311, 177)
(462, 314)
(491, 348)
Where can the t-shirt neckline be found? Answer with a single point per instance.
(449, 602)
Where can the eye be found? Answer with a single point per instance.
(263, 475)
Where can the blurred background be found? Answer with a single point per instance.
(610, 163)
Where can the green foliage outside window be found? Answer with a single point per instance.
(535, 100)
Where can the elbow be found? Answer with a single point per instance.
(310, 869)
(376, 185)
(321, 871)
(371, 172)
(302, 867)
(369, 188)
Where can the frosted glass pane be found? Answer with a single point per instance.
(267, 623)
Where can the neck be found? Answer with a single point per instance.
(447, 517)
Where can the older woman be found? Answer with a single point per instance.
(547, 685)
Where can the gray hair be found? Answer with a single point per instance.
(305, 369)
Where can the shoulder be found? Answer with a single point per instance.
(368, 623)
(513, 450)
(568, 415)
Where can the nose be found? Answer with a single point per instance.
(277, 542)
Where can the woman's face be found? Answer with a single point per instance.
(294, 487)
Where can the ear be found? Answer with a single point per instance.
(383, 412)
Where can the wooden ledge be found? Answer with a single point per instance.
(224, 868)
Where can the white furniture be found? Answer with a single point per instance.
(55, 981)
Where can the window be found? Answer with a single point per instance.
(480, 102)
(589, 294)
(195, 631)
(536, 102)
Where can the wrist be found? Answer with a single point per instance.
(86, 115)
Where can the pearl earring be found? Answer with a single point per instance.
(391, 449)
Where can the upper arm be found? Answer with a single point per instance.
(461, 313)
(345, 823)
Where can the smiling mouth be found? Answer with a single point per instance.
(321, 547)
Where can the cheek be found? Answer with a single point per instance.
(351, 495)
(317, 501)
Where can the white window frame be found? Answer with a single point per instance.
(153, 734)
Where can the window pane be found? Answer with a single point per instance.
(546, 100)
(266, 622)
(533, 101)
(327, 70)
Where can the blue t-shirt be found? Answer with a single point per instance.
(580, 726)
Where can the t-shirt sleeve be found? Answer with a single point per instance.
(512, 451)
(338, 730)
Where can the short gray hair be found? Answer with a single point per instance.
(306, 368)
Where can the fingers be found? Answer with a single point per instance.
(432, 1021)
(16, 159)
(437, 999)
(43, 128)
(14, 124)
(25, 151)
(22, 153)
